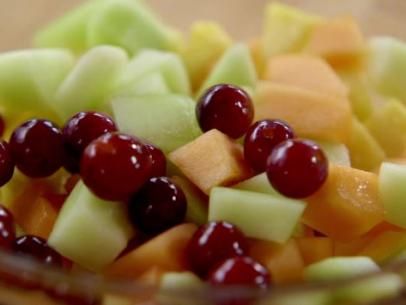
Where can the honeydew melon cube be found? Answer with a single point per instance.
(167, 121)
(90, 231)
(235, 67)
(258, 184)
(303, 298)
(153, 83)
(89, 85)
(29, 79)
(336, 153)
(392, 182)
(169, 65)
(259, 216)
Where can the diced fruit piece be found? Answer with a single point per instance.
(88, 86)
(197, 201)
(336, 153)
(315, 249)
(258, 56)
(340, 41)
(306, 72)
(284, 262)
(147, 116)
(148, 62)
(366, 154)
(206, 44)
(211, 160)
(7, 229)
(286, 29)
(157, 160)
(297, 168)
(392, 181)
(226, 108)
(235, 68)
(260, 216)
(152, 83)
(7, 163)
(386, 64)
(118, 22)
(89, 231)
(311, 115)
(388, 126)
(257, 184)
(166, 251)
(317, 297)
(337, 268)
(352, 196)
(29, 79)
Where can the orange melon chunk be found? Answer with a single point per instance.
(258, 56)
(306, 72)
(315, 249)
(165, 252)
(211, 160)
(311, 114)
(347, 206)
(284, 262)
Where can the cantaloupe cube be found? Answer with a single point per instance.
(213, 159)
(284, 262)
(347, 206)
(315, 249)
(166, 251)
(258, 56)
(312, 115)
(340, 41)
(307, 72)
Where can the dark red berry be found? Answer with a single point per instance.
(240, 272)
(79, 131)
(159, 205)
(261, 139)
(297, 168)
(7, 229)
(72, 298)
(212, 244)
(157, 160)
(6, 163)
(37, 248)
(115, 166)
(37, 148)
(226, 108)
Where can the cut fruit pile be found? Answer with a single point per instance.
(138, 154)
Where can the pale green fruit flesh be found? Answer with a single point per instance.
(336, 268)
(235, 67)
(258, 184)
(167, 121)
(336, 153)
(392, 189)
(89, 84)
(169, 65)
(152, 83)
(258, 215)
(304, 298)
(90, 231)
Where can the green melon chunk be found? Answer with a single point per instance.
(153, 83)
(128, 24)
(167, 121)
(89, 85)
(258, 184)
(304, 298)
(336, 153)
(392, 189)
(258, 215)
(235, 67)
(338, 268)
(29, 79)
(90, 231)
(169, 65)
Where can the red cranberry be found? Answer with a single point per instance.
(6, 163)
(157, 160)
(7, 229)
(212, 243)
(79, 131)
(261, 139)
(37, 148)
(115, 166)
(297, 168)
(226, 108)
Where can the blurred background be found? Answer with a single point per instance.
(242, 18)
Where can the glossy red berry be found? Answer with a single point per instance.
(79, 131)
(7, 229)
(261, 139)
(157, 159)
(6, 163)
(297, 168)
(159, 205)
(115, 166)
(37, 148)
(227, 108)
(213, 243)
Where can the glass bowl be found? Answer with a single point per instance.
(18, 20)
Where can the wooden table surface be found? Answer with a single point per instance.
(242, 18)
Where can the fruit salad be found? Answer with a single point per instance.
(137, 153)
